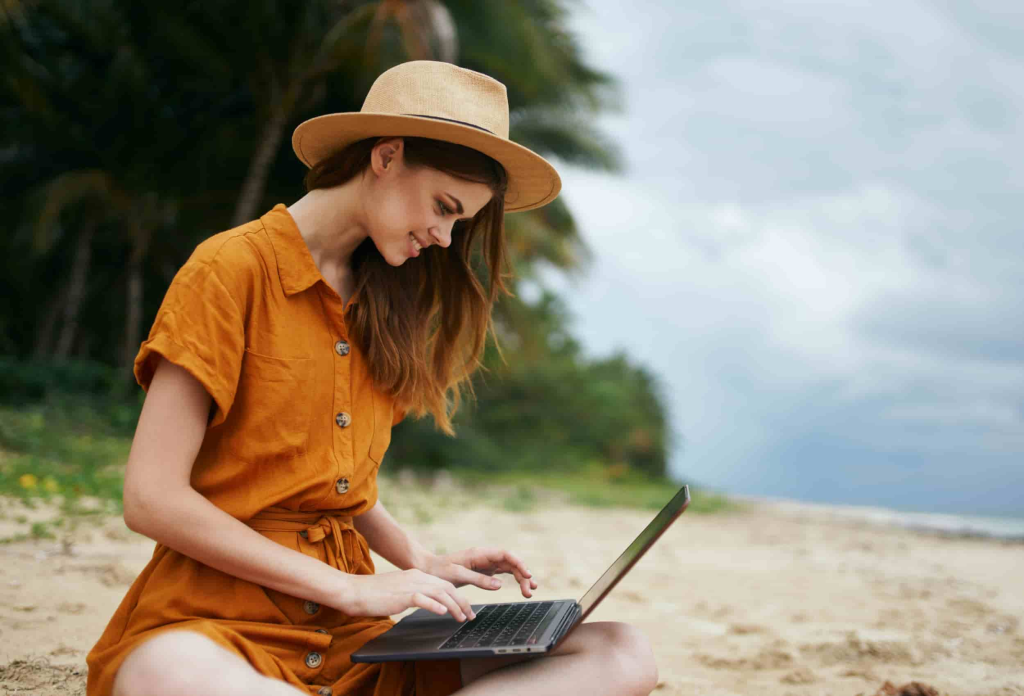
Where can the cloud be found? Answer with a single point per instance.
(816, 243)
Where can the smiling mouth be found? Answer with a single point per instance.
(415, 243)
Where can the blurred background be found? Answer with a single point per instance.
(784, 262)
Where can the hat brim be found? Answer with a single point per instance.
(533, 182)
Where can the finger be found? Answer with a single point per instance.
(524, 581)
(516, 566)
(481, 580)
(464, 604)
(450, 604)
(458, 605)
(509, 559)
(424, 602)
(524, 585)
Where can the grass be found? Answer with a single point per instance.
(595, 486)
(72, 453)
(60, 449)
(61, 452)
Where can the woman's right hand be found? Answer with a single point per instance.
(391, 593)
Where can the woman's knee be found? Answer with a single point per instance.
(629, 653)
(181, 662)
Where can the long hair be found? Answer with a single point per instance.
(423, 326)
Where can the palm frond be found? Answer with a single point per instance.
(58, 195)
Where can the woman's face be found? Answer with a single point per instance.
(411, 208)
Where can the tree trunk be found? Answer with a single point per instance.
(44, 336)
(133, 315)
(259, 168)
(76, 290)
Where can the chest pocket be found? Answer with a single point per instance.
(383, 413)
(273, 395)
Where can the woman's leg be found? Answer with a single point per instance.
(186, 663)
(597, 658)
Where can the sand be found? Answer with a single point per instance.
(775, 599)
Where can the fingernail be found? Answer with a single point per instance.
(495, 582)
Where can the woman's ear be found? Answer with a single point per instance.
(386, 155)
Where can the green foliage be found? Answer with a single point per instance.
(24, 381)
(522, 499)
(547, 407)
(41, 530)
(594, 485)
(69, 445)
(133, 133)
(73, 445)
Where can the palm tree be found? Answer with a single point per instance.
(72, 68)
(323, 55)
(160, 108)
(302, 47)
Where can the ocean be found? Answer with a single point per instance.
(1008, 528)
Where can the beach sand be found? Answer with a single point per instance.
(774, 599)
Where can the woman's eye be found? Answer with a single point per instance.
(445, 210)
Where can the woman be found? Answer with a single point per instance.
(282, 355)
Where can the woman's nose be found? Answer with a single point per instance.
(443, 235)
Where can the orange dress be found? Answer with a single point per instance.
(296, 435)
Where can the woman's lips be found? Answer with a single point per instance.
(414, 245)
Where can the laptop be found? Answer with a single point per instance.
(516, 627)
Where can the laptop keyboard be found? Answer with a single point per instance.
(500, 625)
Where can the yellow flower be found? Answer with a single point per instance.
(50, 484)
(27, 481)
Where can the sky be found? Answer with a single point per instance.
(816, 242)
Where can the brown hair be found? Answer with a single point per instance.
(422, 326)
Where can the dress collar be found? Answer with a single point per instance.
(295, 265)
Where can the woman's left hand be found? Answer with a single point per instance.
(475, 566)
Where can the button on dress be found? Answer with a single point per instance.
(296, 435)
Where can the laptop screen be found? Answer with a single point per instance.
(635, 550)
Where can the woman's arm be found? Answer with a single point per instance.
(473, 566)
(387, 538)
(160, 503)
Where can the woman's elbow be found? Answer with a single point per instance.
(140, 510)
(132, 514)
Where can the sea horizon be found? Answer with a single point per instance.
(995, 526)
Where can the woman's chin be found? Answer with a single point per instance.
(396, 259)
(395, 256)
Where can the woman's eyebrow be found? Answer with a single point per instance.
(458, 203)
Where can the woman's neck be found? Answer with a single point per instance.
(331, 223)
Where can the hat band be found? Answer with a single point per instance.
(452, 120)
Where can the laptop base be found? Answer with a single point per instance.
(419, 635)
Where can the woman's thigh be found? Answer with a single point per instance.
(584, 637)
(179, 662)
(601, 657)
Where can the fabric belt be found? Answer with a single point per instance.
(346, 546)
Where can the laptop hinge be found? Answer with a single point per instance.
(567, 621)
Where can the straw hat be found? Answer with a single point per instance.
(430, 99)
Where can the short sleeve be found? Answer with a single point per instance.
(199, 327)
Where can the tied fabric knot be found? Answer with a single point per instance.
(318, 532)
(343, 546)
(342, 533)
